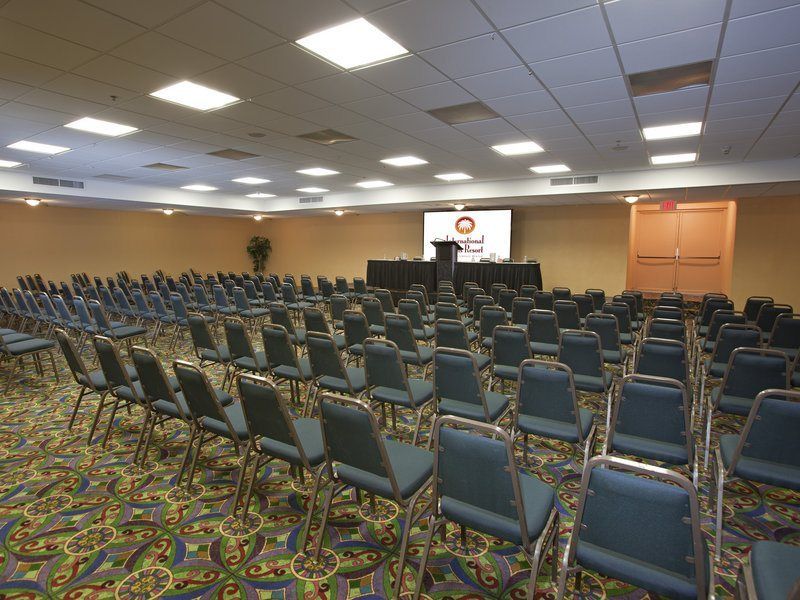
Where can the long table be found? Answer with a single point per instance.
(398, 275)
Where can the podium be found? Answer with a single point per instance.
(446, 257)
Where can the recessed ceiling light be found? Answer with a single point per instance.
(312, 190)
(37, 147)
(33, 201)
(665, 132)
(373, 183)
(517, 148)
(250, 180)
(459, 206)
(194, 96)
(9, 164)
(101, 127)
(352, 44)
(198, 187)
(631, 199)
(257, 217)
(550, 169)
(404, 161)
(260, 195)
(453, 176)
(338, 212)
(318, 172)
(167, 211)
(667, 159)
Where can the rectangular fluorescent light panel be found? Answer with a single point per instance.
(373, 183)
(665, 132)
(194, 96)
(318, 172)
(404, 161)
(517, 148)
(668, 159)
(353, 44)
(8, 164)
(101, 127)
(198, 187)
(260, 195)
(37, 147)
(312, 190)
(550, 169)
(250, 180)
(453, 176)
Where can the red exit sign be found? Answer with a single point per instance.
(667, 205)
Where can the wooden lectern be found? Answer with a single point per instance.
(446, 257)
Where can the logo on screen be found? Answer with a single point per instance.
(465, 225)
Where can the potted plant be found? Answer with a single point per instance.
(259, 248)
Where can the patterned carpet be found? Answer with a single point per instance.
(75, 523)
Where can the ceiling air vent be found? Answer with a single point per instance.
(463, 113)
(310, 199)
(671, 78)
(67, 183)
(232, 154)
(164, 167)
(327, 137)
(580, 180)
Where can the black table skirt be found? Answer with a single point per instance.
(398, 275)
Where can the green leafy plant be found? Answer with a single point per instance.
(259, 248)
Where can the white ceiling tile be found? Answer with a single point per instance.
(545, 118)
(402, 74)
(82, 87)
(561, 35)
(412, 122)
(669, 117)
(624, 138)
(514, 12)
(341, 88)
(570, 145)
(740, 8)
(601, 90)
(220, 32)
(522, 104)
(296, 19)
(116, 71)
(35, 114)
(24, 42)
(680, 99)
(422, 24)
(249, 112)
(481, 54)
(237, 81)
(762, 31)
(436, 96)
(758, 64)
(290, 126)
(13, 129)
(61, 102)
(333, 116)
(24, 71)
(775, 148)
(578, 68)
(745, 108)
(97, 28)
(763, 87)
(488, 127)
(149, 13)
(164, 54)
(447, 137)
(498, 84)
(290, 100)
(683, 47)
(608, 125)
(380, 107)
(9, 90)
(544, 134)
(737, 124)
(288, 64)
(638, 19)
(599, 111)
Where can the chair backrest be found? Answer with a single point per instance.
(279, 314)
(383, 367)
(630, 301)
(446, 310)
(494, 291)
(314, 320)
(477, 473)
(710, 306)
(668, 329)
(786, 331)
(639, 297)
(399, 330)
(653, 408)
(122, 301)
(456, 377)
(158, 304)
(478, 302)
(470, 293)
(567, 313)
(74, 359)
(418, 287)
(543, 300)
(527, 291)
(546, 390)
(621, 513)
(200, 295)
(466, 286)
(598, 298)
(663, 358)
(505, 299)
(278, 348)
(179, 306)
(491, 317)
(250, 289)
(374, 311)
(543, 326)
(111, 364)
(48, 307)
(339, 304)
(585, 304)
(308, 287)
(153, 379)
(752, 370)
(140, 301)
(581, 352)
(385, 298)
(268, 290)
(451, 333)
(237, 338)
(359, 286)
(200, 397)
(446, 297)
(607, 327)
(753, 304)
(327, 289)
(324, 357)
(510, 346)
(108, 300)
(356, 327)
(732, 336)
(201, 334)
(663, 311)
(520, 308)
(562, 293)
(418, 297)
(719, 318)
(61, 308)
(671, 302)
(413, 311)
(100, 317)
(623, 314)
(288, 293)
(82, 311)
(240, 299)
(341, 285)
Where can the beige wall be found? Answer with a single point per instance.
(58, 241)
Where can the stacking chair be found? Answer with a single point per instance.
(221, 301)
(767, 316)
(705, 345)
(411, 310)
(400, 331)
(633, 308)
(478, 302)
(309, 295)
(338, 304)
(204, 305)
(710, 305)
(183, 289)
(494, 291)
(122, 333)
(243, 356)
(627, 337)
(620, 514)
(749, 372)
(269, 293)
(585, 304)
(356, 455)
(663, 358)
(652, 420)
(385, 298)
(581, 351)
(505, 299)
(376, 318)
(753, 304)
(428, 314)
(639, 298)
(598, 297)
(418, 287)
(785, 334)
(283, 362)
(470, 293)
(458, 389)
(343, 288)
(543, 332)
(561, 293)
(544, 300)
(356, 330)
(567, 314)
(669, 329)
(164, 316)
(246, 310)
(279, 315)
(767, 451)
(667, 312)
(109, 304)
(510, 348)
(547, 406)
(607, 327)
(769, 572)
(452, 333)
(490, 317)
(35, 312)
(328, 371)
(69, 321)
(314, 320)
(476, 484)
(388, 383)
(124, 306)
(527, 291)
(520, 308)
(206, 349)
(360, 290)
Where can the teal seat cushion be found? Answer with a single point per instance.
(309, 433)
(590, 383)
(483, 360)
(377, 330)
(236, 418)
(12, 338)
(298, 338)
(496, 404)
(98, 381)
(426, 333)
(635, 445)
(356, 349)
(289, 372)
(257, 364)
(626, 338)
(254, 313)
(421, 392)
(506, 372)
(337, 384)
(412, 467)
(28, 346)
(126, 331)
(560, 430)
(776, 569)
(167, 407)
(714, 369)
(209, 354)
(544, 348)
(425, 356)
(796, 379)
(755, 469)
(734, 405)
(615, 357)
(537, 498)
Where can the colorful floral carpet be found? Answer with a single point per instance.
(78, 522)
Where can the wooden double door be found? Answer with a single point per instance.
(688, 250)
